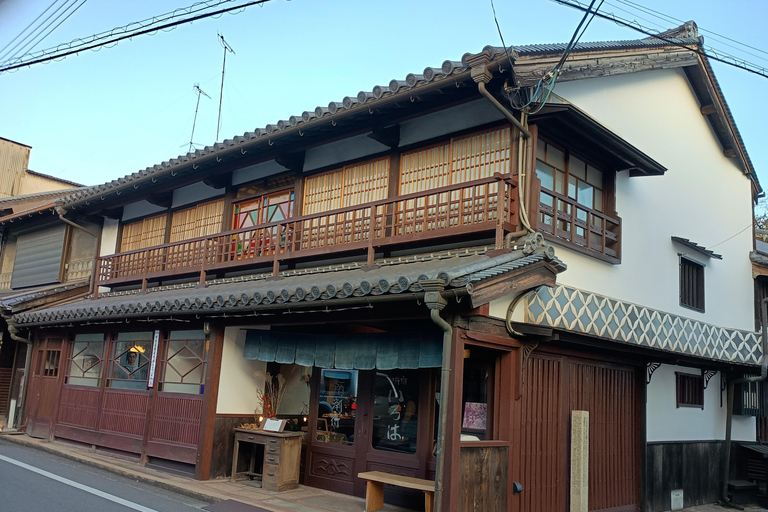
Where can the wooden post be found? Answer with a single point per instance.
(579, 461)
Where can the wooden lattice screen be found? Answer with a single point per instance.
(143, 233)
(462, 159)
(349, 186)
(201, 220)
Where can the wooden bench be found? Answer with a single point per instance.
(374, 491)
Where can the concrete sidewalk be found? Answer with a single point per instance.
(302, 499)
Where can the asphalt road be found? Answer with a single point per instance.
(35, 481)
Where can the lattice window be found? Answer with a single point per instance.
(263, 210)
(144, 233)
(201, 220)
(50, 363)
(129, 365)
(462, 159)
(184, 363)
(690, 390)
(691, 284)
(348, 186)
(85, 360)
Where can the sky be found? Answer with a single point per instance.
(97, 116)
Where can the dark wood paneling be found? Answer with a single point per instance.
(79, 406)
(5, 387)
(124, 412)
(172, 451)
(112, 440)
(176, 419)
(483, 479)
(223, 441)
(695, 467)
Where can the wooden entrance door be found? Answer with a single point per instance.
(375, 421)
(554, 386)
(44, 387)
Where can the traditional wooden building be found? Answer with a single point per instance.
(326, 267)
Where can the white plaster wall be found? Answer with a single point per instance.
(109, 237)
(666, 422)
(341, 151)
(443, 122)
(193, 193)
(140, 209)
(703, 197)
(238, 385)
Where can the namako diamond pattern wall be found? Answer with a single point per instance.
(579, 311)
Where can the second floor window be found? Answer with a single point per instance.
(691, 284)
(200, 220)
(263, 210)
(349, 186)
(143, 233)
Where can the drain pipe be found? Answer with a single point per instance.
(14, 332)
(729, 400)
(62, 212)
(435, 301)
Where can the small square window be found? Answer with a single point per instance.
(690, 390)
(691, 284)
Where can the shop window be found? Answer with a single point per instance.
(184, 363)
(85, 360)
(477, 394)
(395, 410)
(143, 233)
(691, 284)
(200, 220)
(337, 406)
(690, 390)
(129, 364)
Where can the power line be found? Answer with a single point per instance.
(98, 44)
(34, 43)
(22, 44)
(712, 54)
(27, 27)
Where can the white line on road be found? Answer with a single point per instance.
(76, 485)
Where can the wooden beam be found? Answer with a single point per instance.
(388, 135)
(708, 110)
(513, 283)
(291, 161)
(729, 153)
(163, 200)
(218, 180)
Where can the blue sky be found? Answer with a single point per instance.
(100, 115)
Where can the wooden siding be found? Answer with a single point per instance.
(14, 159)
(349, 186)
(5, 388)
(125, 413)
(176, 419)
(143, 233)
(483, 477)
(79, 406)
(201, 220)
(694, 467)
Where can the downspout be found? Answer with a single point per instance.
(13, 331)
(435, 301)
(482, 75)
(62, 212)
(729, 400)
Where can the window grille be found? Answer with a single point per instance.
(143, 233)
(201, 220)
(691, 284)
(690, 390)
(85, 360)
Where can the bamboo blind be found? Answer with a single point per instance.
(201, 220)
(143, 233)
(348, 186)
(462, 159)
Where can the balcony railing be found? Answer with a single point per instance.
(588, 231)
(488, 204)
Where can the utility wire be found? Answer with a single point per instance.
(23, 43)
(27, 27)
(98, 43)
(41, 39)
(712, 54)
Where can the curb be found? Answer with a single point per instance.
(126, 473)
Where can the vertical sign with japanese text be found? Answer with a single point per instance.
(153, 360)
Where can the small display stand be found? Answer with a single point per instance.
(282, 458)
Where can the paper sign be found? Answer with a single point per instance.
(271, 425)
(153, 360)
(475, 415)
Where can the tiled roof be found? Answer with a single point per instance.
(696, 247)
(11, 300)
(54, 178)
(454, 70)
(9, 202)
(458, 272)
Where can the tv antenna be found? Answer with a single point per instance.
(199, 91)
(227, 48)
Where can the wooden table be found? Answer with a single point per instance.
(282, 458)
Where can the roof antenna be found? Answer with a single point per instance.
(227, 48)
(199, 91)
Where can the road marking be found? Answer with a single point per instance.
(76, 485)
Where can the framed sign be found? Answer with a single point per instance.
(153, 360)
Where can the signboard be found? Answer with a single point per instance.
(677, 499)
(153, 360)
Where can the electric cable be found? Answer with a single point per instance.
(27, 27)
(15, 50)
(41, 39)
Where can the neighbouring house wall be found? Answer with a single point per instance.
(703, 197)
(239, 388)
(31, 184)
(14, 159)
(666, 422)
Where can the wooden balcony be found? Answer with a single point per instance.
(487, 205)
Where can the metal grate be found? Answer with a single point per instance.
(691, 284)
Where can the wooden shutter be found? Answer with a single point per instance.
(144, 233)
(349, 186)
(38, 257)
(462, 159)
(201, 220)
